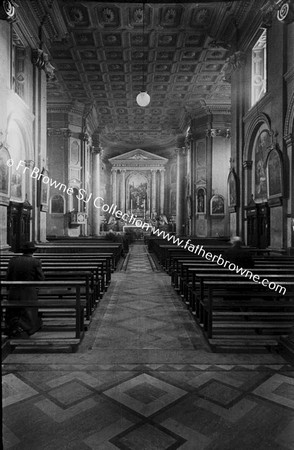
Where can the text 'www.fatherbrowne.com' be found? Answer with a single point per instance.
(218, 259)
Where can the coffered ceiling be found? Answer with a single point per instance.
(102, 51)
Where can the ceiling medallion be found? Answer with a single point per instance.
(108, 15)
(138, 15)
(170, 15)
(76, 15)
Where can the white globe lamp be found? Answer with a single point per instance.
(143, 99)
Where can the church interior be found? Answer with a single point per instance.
(136, 140)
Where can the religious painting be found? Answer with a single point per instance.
(261, 150)
(4, 173)
(138, 198)
(232, 189)
(16, 184)
(201, 201)
(217, 205)
(44, 192)
(57, 204)
(189, 207)
(274, 174)
(173, 203)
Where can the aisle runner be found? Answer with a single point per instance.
(138, 259)
(143, 312)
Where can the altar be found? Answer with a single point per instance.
(138, 183)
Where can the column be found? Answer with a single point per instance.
(114, 179)
(123, 191)
(153, 181)
(247, 178)
(96, 190)
(162, 190)
(180, 151)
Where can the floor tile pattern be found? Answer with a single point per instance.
(144, 378)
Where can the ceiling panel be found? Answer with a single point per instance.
(111, 48)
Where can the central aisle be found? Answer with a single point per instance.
(144, 379)
(144, 313)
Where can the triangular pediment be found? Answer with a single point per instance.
(137, 155)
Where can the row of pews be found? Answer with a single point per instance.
(77, 275)
(234, 312)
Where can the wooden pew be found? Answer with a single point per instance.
(49, 293)
(256, 320)
(101, 272)
(112, 249)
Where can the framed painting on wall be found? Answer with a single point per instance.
(274, 169)
(217, 205)
(232, 190)
(4, 175)
(44, 192)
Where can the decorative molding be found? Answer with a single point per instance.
(282, 9)
(214, 108)
(218, 132)
(137, 154)
(40, 59)
(285, 13)
(65, 132)
(235, 62)
(180, 151)
(7, 10)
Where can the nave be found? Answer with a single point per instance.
(144, 378)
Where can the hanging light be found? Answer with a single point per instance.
(143, 98)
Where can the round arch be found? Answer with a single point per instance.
(255, 126)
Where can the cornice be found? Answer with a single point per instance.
(66, 108)
(143, 166)
(216, 108)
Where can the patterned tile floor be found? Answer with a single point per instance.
(144, 378)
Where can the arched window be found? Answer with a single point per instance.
(57, 204)
(259, 69)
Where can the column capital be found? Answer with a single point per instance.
(85, 137)
(180, 151)
(96, 151)
(29, 163)
(114, 169)
(247, 165)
